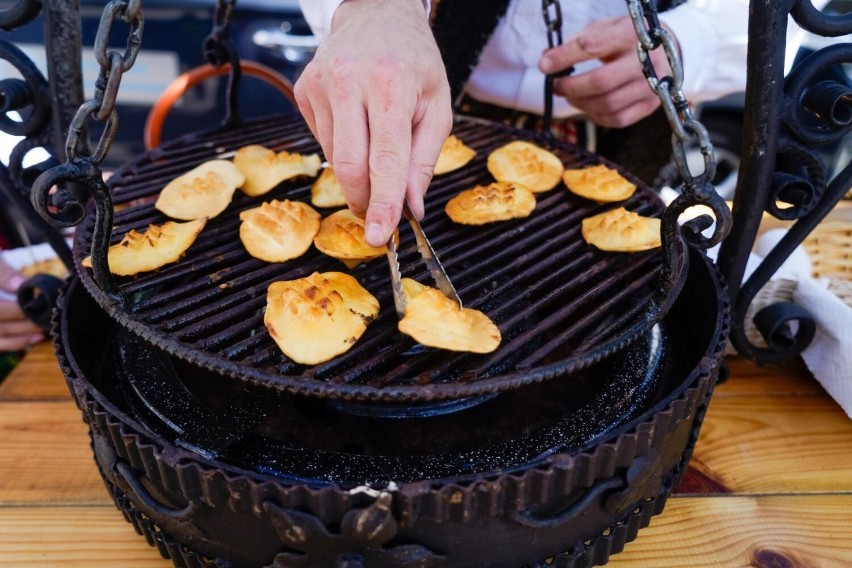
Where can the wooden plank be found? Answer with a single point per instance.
(806, 531)
(776, 444)
(45, 456)
(78, 537)
(766, 531)
(37, 377)
(748, 378)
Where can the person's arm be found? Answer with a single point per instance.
(713, 38)
(16, 331)
(712, 41)
(376, 97)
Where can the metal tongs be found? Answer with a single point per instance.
(427, 253)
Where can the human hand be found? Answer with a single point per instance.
(376, 98)
(16, 331)
(616, 94)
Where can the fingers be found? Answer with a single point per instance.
(602, 39)
(630, 115)
(390, 117)
(600, 81)
(16, 332)
(10, 279)
(351, 140)
(429, 134)
(619, 107)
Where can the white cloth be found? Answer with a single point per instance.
(829, 356)
(711, 34)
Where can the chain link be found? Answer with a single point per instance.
(113, 64)
(669, 89)
(217, 49)
(551, 10)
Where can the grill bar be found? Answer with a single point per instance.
(541, 284)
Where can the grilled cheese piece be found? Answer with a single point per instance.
(264, 169)
(497, 201)
(279, 230)
(598, 183)
(454, 155)
(621, 230)
(434, 320)
(326, 190)
(521, 162)
(341, 235)
(157, 246)
(204, 191)
(319, 317)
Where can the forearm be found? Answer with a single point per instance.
(713, 38)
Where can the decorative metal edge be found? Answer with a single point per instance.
(191, 476)
(22, 12)
(196, 482)
(593, 552)
(780, 162)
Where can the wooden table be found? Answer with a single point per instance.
(770, 484)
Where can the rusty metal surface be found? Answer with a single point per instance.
(189, 504)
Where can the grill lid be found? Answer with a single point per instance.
(561, 305)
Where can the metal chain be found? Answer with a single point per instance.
(113, 64)
(669, 89)
(551, 10)
(217, 49)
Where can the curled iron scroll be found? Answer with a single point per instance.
(812, 19)
(819, 112)
(814, 113)
(61, 209)
(22, 12)
(32, 91)
(798, 182)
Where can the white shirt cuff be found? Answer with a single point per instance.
(320, 13)
(712, 47)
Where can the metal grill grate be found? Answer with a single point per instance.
(560, 304)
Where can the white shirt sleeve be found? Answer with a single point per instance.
(713, 37)
(320, 13)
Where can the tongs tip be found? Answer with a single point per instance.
(427, 253)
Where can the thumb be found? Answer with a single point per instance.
(10, 279)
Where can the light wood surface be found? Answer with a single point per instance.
(770, 483)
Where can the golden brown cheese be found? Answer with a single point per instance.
(204, 191)
(264, 169)
(326, 191)
(434, 320)
(157, 246)
(621, 230)
(341, 235)
(319, 317)
(598, 183)
(279, 230)
(497, 201)
(454, 154)
(525, 163)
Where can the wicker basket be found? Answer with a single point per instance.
(829, 247)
